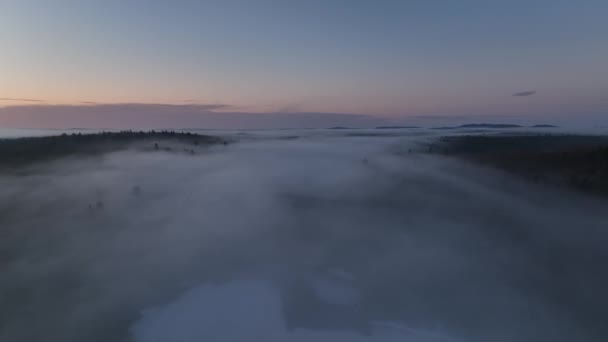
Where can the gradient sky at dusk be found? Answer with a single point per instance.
(394, 59)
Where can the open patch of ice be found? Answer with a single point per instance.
(248, 311)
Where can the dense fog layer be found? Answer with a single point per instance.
(289, 236)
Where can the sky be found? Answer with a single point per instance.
(77, 63)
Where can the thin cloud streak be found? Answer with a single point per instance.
(145, 115)
(20, 100)
(525, 93)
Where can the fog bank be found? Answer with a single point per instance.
(293, 236)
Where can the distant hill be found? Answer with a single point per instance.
(445, 127)
(544, 126)
(395, 127)
(481, 125)
(495, 126)
(486, 125)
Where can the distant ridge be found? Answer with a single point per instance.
(544, 126)
(488, 125)
(481, 125)
(395, 127)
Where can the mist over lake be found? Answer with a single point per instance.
(303, 235)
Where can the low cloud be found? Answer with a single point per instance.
(525, 93)
(160, 115)
(19, 99)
